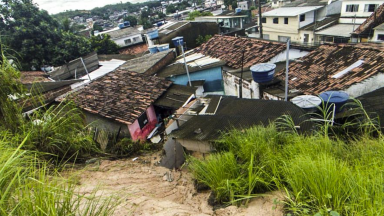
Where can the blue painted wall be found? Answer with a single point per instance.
(213, 79)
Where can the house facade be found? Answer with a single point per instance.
(124, 37)
(284, 23)
(356, 12)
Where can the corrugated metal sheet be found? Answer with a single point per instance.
(204, 61)
(106, 67)
(190, 58)
(69, 70)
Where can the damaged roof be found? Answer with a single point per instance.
(146, 62)
(334, 67)
(121, 95)
(233, 112)
(29, 77)
(376, 18)
(230, 49)
(176, 96)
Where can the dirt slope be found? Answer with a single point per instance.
(148, 189)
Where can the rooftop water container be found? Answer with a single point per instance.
(121, 25)
(177, 41)
(153, 49)
(338, 98)
(308, 103)
(263, 72)
(238, 10)
(162, 47)
(153, 34)
(127, 24)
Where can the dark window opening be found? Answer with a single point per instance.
(276, 20)
(302, 17)
(370, 7)
(352, 8)
(380, 37)
(143, 120)
(286, 20)
(263, 20)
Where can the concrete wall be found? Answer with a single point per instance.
(290, 28)
(232, 87)
(311, 36)
(121, 42)
(376, 33)
(105, 124)
(161, 64)
(366, 86)
(141, 134)
(309, 18)
(348, 17)
(190, 32)
(196, 146)
(213, 79)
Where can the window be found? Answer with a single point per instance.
(302, 17)
(143, 120)
(284, 38)
(263, 20)
(352, 8)
(276, 20)
(128, 41)
(266, 36)
(380, 37)
(370, 7)
(135, 39)
(286, 20)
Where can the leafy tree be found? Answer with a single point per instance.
(70, 47)
(146, 23)
(160, 15)
(194, 14)
(103, 44)
(202, 39)
(67, 26)
(29, 31)
(132, 20)
(171, 9)
(97, 28)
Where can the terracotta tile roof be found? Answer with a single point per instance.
(121, 95)
(229, 49)
(371, 22)
(29, 77)
(313, 73)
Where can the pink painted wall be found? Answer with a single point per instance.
(141, 134)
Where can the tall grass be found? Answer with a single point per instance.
(29, 187)
(320, 173)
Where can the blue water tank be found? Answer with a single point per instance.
(153, 49)
(238, 10)
(177, 41)
(127, 24)
(162, 47)
(153, 34)
(121, 25)
(263, 72)
(338, 98)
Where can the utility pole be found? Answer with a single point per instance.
(241, 76)
(286, 72)
(260, 22)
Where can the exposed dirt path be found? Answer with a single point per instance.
(145, 190)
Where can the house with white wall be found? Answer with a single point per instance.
(356, 12)
(378, 35)
(284, 23)
(124, 37)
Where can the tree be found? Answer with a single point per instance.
(29, 31)
(70, 47)
(170, 9)
(103, 44)
(200, 39)
(132, 20)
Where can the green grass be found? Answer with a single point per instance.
(321, 174)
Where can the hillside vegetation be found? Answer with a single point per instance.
(325, 173)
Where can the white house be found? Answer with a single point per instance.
(356, 12)
(124, 37)
(378, 35)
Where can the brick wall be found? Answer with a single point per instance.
(135, 49)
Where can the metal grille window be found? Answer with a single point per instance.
(370, 7)
(352, 8)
